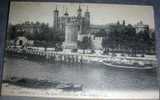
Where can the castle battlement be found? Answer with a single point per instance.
(60, 21)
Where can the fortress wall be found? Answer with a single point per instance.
(96, 43)
(71, 35)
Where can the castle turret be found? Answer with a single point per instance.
(56, 20)
(79, 11)
(79, 20)
(124, 22)
(87, 13)
(66, 13)
(118, 23)
(87, 19)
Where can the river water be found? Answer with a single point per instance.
(93, 75)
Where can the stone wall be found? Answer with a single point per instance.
(71, 35)
(96, 42)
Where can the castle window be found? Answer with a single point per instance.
(20, 42)
(78, 27)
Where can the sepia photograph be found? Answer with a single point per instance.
(81, 50)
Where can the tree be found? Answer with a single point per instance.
(144, 41)
(114, 39)
(105, 44)
(101, 33)
(84, 44)
(130, 40)
(121, 38)
(152, 44)
(12, 34)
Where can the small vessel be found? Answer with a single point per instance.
(64, 86)
(31, 83)
(128, 66)
(34, 83)
(70, 87)
(77, 87)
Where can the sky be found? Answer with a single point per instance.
(100, 14)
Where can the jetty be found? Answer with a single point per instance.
(51, 56)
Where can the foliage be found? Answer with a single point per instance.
(123, 38)
(85, 43)
(35, 31)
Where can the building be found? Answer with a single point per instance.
(74, 27)
(23, 41)
(141, 27)
(96, 42)
(82, 21)
(77, 27)
(71, 35)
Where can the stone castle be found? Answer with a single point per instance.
(74, 27)
(77, 27)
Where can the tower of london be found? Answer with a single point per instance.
(74, 27)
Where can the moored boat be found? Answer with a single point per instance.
(70, 87)
(34, 83)
(128, 66)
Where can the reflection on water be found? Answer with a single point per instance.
(93, 75)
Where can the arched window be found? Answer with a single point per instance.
(79, 27)
(20, 42)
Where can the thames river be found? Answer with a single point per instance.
(93, 75)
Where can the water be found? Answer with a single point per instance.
(94, 76)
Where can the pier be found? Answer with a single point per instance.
(50, 56)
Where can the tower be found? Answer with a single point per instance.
(64, 20)
(56, 20)
(66, 13)
(79, 12)
(79, 19)
(87, 19)
(124, 22)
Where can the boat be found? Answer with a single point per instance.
(64, 86)
(128, 66)
(31, 83)
(34, 83)
(77, 87)
(70, 87)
